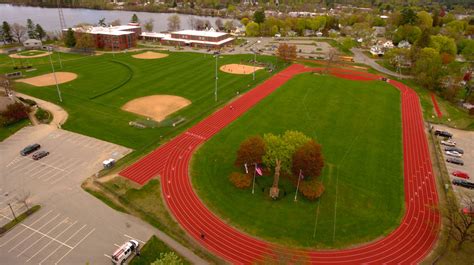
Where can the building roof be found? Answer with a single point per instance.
(198, 41)
(155, 35)
(200, 33)
(112, 30)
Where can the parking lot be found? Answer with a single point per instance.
(465, 141)
(72, 227)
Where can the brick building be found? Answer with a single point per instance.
(113, 37)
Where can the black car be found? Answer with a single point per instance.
(40, 154)
(443, 134)
(29, 149)
(455, 161)
(463, 183)
(455, 149)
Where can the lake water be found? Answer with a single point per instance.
(48, 18)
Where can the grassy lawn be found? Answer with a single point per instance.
(359, 127)
(7, 63)
(151, 252)
(105, 83)
(5, 132)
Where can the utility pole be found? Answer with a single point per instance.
(54, 73)
(298, 186)
(9, 204)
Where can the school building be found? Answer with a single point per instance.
(112, 38)
(193, 38)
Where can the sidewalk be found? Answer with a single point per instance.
(59, 114)
(360, 57)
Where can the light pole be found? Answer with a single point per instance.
(298, 186)
(215, 88)
(54, 73)
(254, 171)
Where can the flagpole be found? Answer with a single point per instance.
(298, 185)
(254, 171)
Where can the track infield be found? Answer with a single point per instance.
(409, 243)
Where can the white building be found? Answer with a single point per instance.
(32, 44)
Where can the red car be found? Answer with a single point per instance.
(460, 174)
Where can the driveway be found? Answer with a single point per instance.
(360, 57)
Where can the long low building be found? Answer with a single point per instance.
(113, 37)
(193, 38)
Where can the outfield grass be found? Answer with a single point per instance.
(7, 63)
(359, 127)
(105, 83)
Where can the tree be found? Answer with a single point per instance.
(407, 32)
(240, 180)
(22, 197)
(6, 32)
(169, 258)
(244, 21)
(286, 52)
(149, 25)
(229, 25)
(427, 69)
(252, 29)
(309, 159)
(30, 27)
(219, 24)
(424, 40)
(134, 18)
(40, 33)
(174, 23)
(279, 151)
(451, 85)
(70, 39)
(408, 16)
(443, 44)
(259, 16)
(85, 42)
(18, 31)
(468, 50)
(461, 224)
(251, 151)
(425, 20)
(14, 112)
(102, 22)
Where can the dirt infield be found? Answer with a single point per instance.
(18, 56)
(48, 79)
(239, 69)
(150, 55)
(156, 107)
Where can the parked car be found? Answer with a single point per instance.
(448, 142)
(40, 154)
(453, 153)
(463, 183)
(29, 149)
(443, 133)
(456, 161)
(460, 174)
(453, 148)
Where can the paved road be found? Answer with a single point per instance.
(360, 57)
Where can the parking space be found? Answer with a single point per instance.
(72, 227)
(465, 141)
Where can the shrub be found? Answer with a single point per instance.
(311, 189)
(14, 112)
(308, 159)
(251, 151)
(240, 180)
(42, 115)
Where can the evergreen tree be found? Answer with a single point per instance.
(259, 16)
(40, 33)
(70, 39)
(30, 27)
(6, 32)
(134, 18)
(424, 40)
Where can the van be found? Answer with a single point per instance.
(29, 149)
(124, 252)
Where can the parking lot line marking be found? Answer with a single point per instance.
(57, 236)
(75, 246)
(107, 256)
(65, 242)
(60, 223)
(25, 228)
(26, 238)
(134, 238)
(117, 245)
(41, 233)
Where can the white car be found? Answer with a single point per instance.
(448, 142)
(453, 153)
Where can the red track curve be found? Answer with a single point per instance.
(409, 243)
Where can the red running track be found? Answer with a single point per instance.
(436, 107)
(408, 244)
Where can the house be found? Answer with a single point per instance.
(378, 31)
(377, 50)
(32, 44)
(388, 44)
(404, 44)
(199, 38)
(112, 38)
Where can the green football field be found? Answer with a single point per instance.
(358, 125)
(106, 82)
